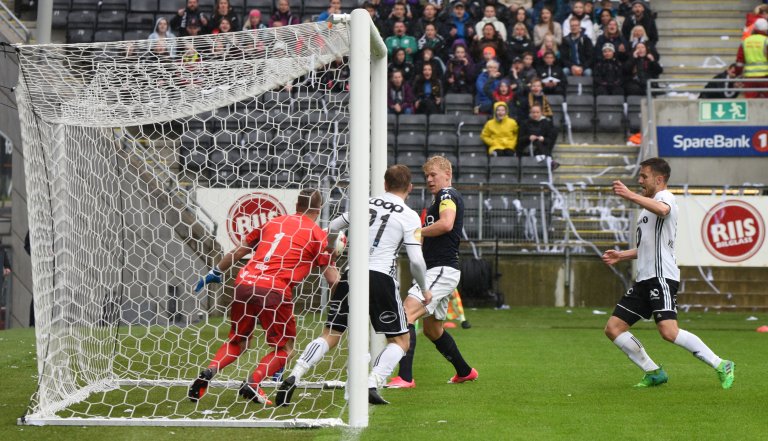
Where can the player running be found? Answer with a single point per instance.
(285, 250)
(658, 277)
(441, 231)
(392, 223)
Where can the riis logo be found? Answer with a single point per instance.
(251, 211)
(733, 231)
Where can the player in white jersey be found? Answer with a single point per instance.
(391, 225)
(654, 293)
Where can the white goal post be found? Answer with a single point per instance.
(131, 152)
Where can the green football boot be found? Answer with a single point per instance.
(725, 373)
(653, 378)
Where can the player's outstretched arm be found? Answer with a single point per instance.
(656, 207)
(442, 225)
(340, 222)
(612, 257)
(216, 273)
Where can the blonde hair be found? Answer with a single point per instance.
(521, 25)
(439, 162)
(644, 36)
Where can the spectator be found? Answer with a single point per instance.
(490, 39)
(608, 73)
(517, 80)
(428, 57)
(752, 59)
(520, 42)
(536, 97)
(375, 17)
(602, 23)
(548, 45)
(639, 36)
(181, 20)
(400, 97)
(162, 32)
(334, 7)
(400, 40)
(640, 68)
(760, 11)
(589, 11)
(224, 44)
(283, 15)
(432, 40)
(459, 24)
(428, 16)
(538, 136)
(613, 35)
(553, 78)
(727, 74)
(546, 26)
(486, 83)
(428, 91)
(625, 8)
(577, 51)
(254, 21)
(500, 132)
(460, 71)
(399, 63)
(397, 15)
(224, 11)
(505, 94)
(585, 21)
(640, 16)
(529, 68)
(489, 17)
(522, 17)
(502, 12)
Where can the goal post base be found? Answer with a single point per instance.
(181, 422)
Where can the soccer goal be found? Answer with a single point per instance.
(145, 161)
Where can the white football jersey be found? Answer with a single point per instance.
(656, 242)
(392, 224)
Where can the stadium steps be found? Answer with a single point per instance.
(740, 288)
(594, 164)
(693, 32)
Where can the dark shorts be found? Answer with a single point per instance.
(651, 297)
(338, 306)
(386, 306)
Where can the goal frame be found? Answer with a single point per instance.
(368, 157)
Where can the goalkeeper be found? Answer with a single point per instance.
(392, 223)
(285, 250)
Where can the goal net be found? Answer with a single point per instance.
(146, 161)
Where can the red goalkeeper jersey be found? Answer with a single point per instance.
(287, 248)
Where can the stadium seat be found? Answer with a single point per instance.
(580, 86)
(471, 143)
(113, 19)
(501, 217)
(392, 124)
(312, 8)
(81, 19)
(225, 139)
(274, 99)
(256, 138)
(171, 6)
(581, 112)
(503, 170)
(308, 100)
(59, 18)
(411, 142)
(459, 103)
(108, 35)
(610, 115)
(141, 23)
(255, 157)
(533, 171)
(473, 168)
(556, 103)
(144, 6)
(411, 124)
(75, 35)
(472, 223)
(116, 5)
(90, 5)
(413, 160)
(268, 6)
(472, 124)
(442, 143)
(634, 114)
(194, 159)
(444, 123)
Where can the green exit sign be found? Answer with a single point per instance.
(722, 111)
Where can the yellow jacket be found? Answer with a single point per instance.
(499, 135)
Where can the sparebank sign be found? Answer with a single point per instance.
(685, 141)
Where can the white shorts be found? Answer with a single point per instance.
(442, 281)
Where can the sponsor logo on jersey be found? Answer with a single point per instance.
(251, 211)
(654, 293)
(387, 317)
(386, 205)
(733, 231)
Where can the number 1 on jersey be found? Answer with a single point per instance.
(275, 243)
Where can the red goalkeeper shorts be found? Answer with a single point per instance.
(271, 308)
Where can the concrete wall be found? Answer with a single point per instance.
(711, 171)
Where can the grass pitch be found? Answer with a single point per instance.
(545, 374)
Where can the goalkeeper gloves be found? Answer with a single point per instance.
(213, 276)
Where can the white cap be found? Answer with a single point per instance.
(761, 25)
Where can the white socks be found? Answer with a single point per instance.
(697, 347)
(310, 357)
(385, 365)
(635, 351)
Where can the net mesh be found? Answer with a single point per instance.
(137, 155)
